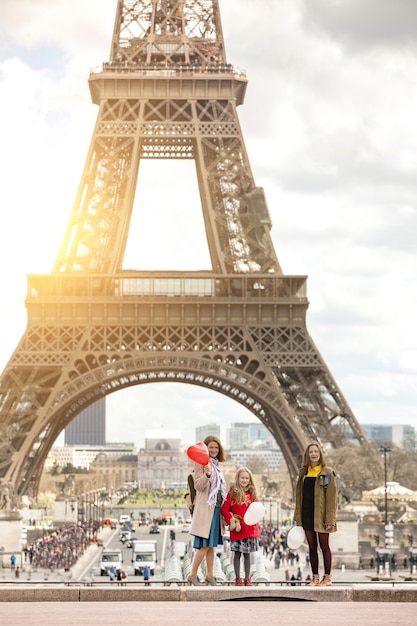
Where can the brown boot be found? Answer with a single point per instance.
(326, 581)
(315, 582)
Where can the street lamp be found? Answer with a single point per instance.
(385, 450)
(389, 528)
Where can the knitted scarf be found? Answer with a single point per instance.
(216, 484)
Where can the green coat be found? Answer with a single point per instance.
(325, 500)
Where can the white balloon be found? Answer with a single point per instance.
(254, 513)
(296, 537)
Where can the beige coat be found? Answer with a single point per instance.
(202, 515)
(325, 500)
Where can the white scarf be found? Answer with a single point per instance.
(216, 484)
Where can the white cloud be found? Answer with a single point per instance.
(363, 24)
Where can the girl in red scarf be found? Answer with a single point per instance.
(243, 538)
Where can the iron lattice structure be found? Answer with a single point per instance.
(167, 92)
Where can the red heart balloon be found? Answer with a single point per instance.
(198, 453)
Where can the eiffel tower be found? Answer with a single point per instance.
(167, 92)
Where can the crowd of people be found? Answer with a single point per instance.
(273, 542)
(61, 548)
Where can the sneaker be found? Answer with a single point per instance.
(239, 582)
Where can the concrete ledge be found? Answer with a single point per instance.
(206, 594)
(385, 595)
(38, 594)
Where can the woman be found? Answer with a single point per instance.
(315, 509)
(207, 525)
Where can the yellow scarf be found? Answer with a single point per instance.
(314, 471)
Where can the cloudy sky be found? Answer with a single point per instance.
(329, 123)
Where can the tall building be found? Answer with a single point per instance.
(397, 434)
(88, 427)
(259, 458)
(260, 437)
(201, 432)
(243, 436)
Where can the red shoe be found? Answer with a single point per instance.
(248, 582)
(238, 582)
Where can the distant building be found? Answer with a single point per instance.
(83, 456)
(162, 463)
(242, 436)
(258, 458)
(237, 437)
(398, 434)
(88, 427)
(117, 470)
(201, 432)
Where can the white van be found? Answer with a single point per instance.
(144, 553)
(110, 558)
(123, 519)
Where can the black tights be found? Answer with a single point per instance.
(246, 562)
(311, 537)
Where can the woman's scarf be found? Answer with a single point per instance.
(314, 471)
(216, 484)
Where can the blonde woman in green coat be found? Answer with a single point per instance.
(315, 509)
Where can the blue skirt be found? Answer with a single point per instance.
(215, 537)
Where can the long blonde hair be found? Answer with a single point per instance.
(237, 492)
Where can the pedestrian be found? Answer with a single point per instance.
(271, 549)
(243, 537)
(112, 573)
(12, 561)
(315, 509)
(17, 572)
(147, 575)
(207, 524)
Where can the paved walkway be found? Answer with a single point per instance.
(212, 613)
